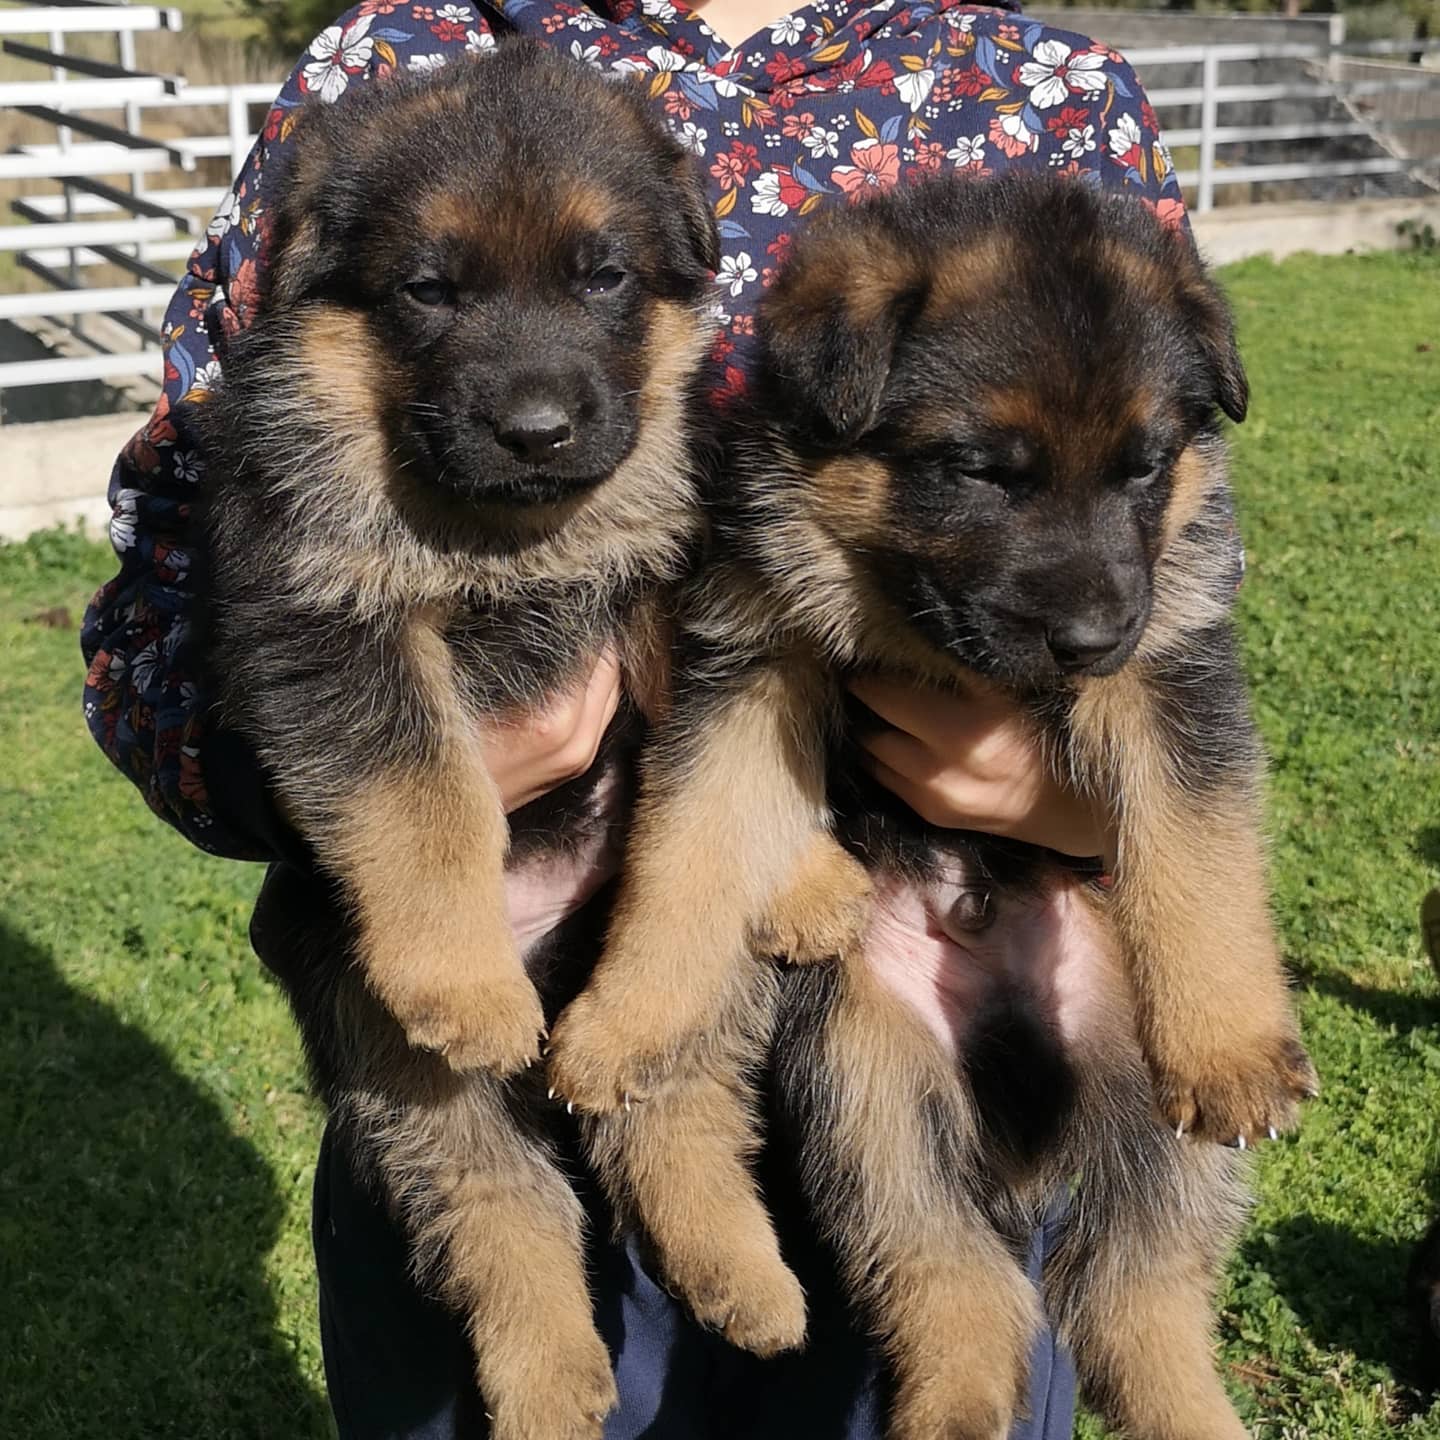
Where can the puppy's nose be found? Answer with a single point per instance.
(1086, 640)
(534, 430)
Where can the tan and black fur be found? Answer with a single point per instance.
(450, 462)
(985, 440)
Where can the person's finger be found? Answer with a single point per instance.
(602, 700)
(950, 722)
(922, 710)
(923, 799)
(904, 754)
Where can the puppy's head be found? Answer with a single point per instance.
(512, 248)
(1004, 398)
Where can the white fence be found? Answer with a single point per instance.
(116, 152)
(1301, 77)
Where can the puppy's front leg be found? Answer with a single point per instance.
(1191, 899)
(419, 842)
(732, 795)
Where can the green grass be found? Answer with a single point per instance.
(154, 1183)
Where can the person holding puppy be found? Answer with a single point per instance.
(786, 113)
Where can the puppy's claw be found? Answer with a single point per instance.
(1239, 1142)
(569, 1107)
(550, 1093)
(1180, 1131)
(1273, 1133)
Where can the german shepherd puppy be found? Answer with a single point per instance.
(986, 440)
(450, 463)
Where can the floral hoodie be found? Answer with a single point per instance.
(824, 106)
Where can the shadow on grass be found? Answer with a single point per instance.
(133, 1231)
(1427, 844)
(1350, 1293)
(1403, 1013)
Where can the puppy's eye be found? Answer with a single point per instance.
(1144, 471)
(430, 291)
(972, 463)
(604, 280)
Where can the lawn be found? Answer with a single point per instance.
(154, 1255)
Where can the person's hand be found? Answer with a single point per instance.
(532, 752)
(972, 761)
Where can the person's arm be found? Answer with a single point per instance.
(147, 699)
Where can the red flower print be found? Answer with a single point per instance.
(796, 126)
(1072, 117)
(970, 81)
(731, 168)
(677, 103)
(448, 31)
(1169, 211)
(784, 68)
(874, 166)
(1009, 134)
(930, 155)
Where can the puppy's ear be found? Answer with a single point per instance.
(307, 251)
(695, 212)
(1208, 315)
(830, 324)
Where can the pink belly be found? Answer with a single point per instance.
(546, 890)
(1048, 948)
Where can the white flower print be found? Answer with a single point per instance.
(1078, 142)
(337, 51)
(207, 377)
(1056, 71)
(765, 198)
(145, 666)
(725, 87)
(968, 151)
(736, 272)
(661, 10)
(585, 54)
(455, 14)
(819, 141)
(787, 30)
(478, 42)
(664, 59)
(189, 467)
(426, 62)
(915, 87)
(585, 21)
(1125, 136)
(227, 216)
(692, 137)
(122, 520)
(963, 24)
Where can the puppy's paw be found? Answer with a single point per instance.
(1240, 1097)
(978, 1404)
(568, 1397)
(599, 1062)
(824, 911)
(753, 1300)
(490, 1023)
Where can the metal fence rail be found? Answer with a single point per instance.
(106, 199)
